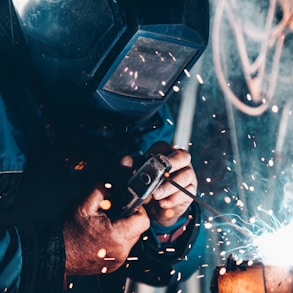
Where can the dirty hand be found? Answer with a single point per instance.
(168, 203)
(94, 244)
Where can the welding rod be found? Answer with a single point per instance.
(209, 208)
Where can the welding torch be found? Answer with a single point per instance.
(148, 178)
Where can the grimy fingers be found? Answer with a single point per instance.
(133, 226)
(179, 159)
(92, 203)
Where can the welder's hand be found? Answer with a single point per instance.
(94, 244)
(168, 203)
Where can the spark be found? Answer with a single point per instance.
(135, 74)
(172, 56)
(248, 96)
(70, 285)
(223, 253)
(161, 93)
(187, 73)
(105, 204)
(222, 271)
(132, 258)
(80, 166)
(108, 185)
(199, 79)
(169, 121)
(101, 253)
(200, 276)
(165, 236)
(208, 225)
(250, 263)
(245, 185)
(166, 174)
(170, 249)
(275, 109)
(176, 88)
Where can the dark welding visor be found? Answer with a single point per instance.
(122, 56)
(148, 69)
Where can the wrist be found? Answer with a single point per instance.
(172, 232)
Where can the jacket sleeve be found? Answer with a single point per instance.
(10, 259)
(12, 158)
(164, 263)
(32, 258)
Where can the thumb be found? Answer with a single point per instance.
(92, 203)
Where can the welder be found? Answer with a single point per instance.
(84, 87)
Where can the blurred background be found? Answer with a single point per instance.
(234, 114)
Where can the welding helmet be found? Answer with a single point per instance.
(118, 57)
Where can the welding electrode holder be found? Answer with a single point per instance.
(143, 183)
